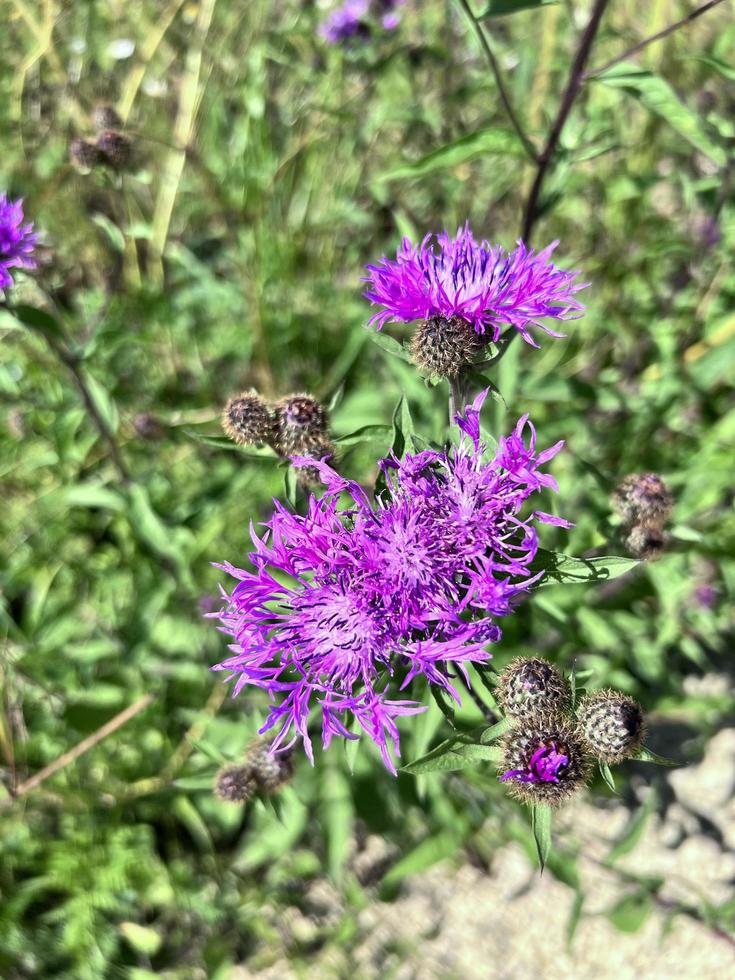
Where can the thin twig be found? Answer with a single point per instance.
(71, 362)
(654, 37)
(487, 712)
(84, 746)
(495, 69)
(574, 84)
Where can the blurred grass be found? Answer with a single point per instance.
(269, 169)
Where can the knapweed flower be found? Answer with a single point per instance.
(611, 724)
(345, 606)
(357, 17)
(17, 240)
(480, 283)
(544, 762)
(531, 687)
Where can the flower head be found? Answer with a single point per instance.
(544, 762)
(483, 284)
(611, 724)
(17, 240)
(531, 687)
(348, 604)
(356, 17)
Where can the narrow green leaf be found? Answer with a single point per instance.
(541, 826)
(484, 142)
(565, 568)
(458, 752)
(656, 95)
(368, 433)
(607, 775)
(501, 8)
(426, 854)
(38, 319)
(495, 731)
(630, 913)
(645, 755)
(196, 784)
(103, 403)
(262, 453)
(93, 496)
(389, 344)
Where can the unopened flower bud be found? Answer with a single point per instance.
(445, 347)
(647, 542)
(643, 498)
(532, 688)
(611, 724)
(235, 784)
(106, 116)
(301, 425)
(270, 770)
(247, 419)
(544, 762)
(84, 155)
(116, 149)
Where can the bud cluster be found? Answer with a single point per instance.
(111, 147)
(644, 504)
(263, 772)
(297, 425)
(547, 754)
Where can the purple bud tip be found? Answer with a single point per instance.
(543, 766)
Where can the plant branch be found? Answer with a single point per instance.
(84, 746)
(71, 362)
(495, 69)
(654, 37)
(574, 85)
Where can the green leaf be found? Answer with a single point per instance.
(336, 816)
(103, 403)
(541, 826)
(426, 854)
(500, 8)
(484, 142)
(633, 831)
(260, 453)
(148, 526)
(565, 568)
(143, 939)
(607, 775)
(390, 344)
(403, 429)
(93, 496)
(368, 433)
(645, 755)
(195, 784)
(656, 95)
(38, 319)
(495, 731)
(458, 752)
(631, 912)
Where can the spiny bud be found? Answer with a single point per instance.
(645, 541)
(235, 784)
(444, 347)
(643, 498)
(106, 116)
(115, 148)
(301, 424)
(270, 770)
(611, 724)
(84, 155)
(532, 688)
(544, 762)
(247, 419)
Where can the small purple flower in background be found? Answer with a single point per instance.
(348, 604)
(482, 284)
(355, 17)
(17, 240)
(543, 766)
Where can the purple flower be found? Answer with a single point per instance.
(344, 607)
(345, 22)
(17, 241)
(482, 284)
(354, 18)
(543, 766)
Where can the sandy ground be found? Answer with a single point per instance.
(511, 924)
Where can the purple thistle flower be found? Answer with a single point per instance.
(354, 18)
(17, 241)
(482, 284)
(543, 766)
(345, 22)
(346, 605)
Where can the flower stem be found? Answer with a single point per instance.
(495, 69)
(574, 85)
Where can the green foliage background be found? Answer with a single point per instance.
(269, 169)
